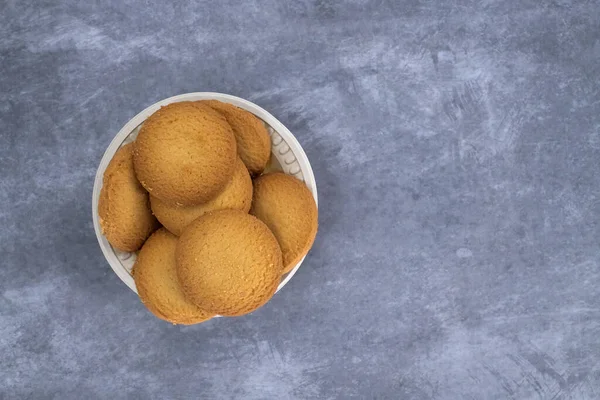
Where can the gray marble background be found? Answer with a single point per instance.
(456, 147)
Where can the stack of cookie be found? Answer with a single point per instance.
(214, 234)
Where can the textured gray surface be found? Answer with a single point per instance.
(456, 147)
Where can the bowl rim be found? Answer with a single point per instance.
(137, 120)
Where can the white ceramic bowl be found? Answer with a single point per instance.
(288, 156)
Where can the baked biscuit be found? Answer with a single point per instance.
(185, 153)
(228, 262)
(236, 195)
(155, 277)
(251, 135)
(288, 208)
(123, 206)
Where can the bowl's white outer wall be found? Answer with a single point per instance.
(284, 147)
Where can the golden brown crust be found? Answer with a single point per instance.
(237, 195)
(228, 262)
(156, 280)
(185, 153)
(251, 135)
(123, 206)
(288, 208)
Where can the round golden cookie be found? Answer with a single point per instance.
(228, 262)
(237, 195)
(288, 208)
(155, 276)
(251, 135)
(123, 207)
(185, 153)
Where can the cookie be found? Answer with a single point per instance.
(185, 153)
(228, 262)
(236, 195)
(155, 277)
(288, 208)
(251, 135)
(123, 207)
